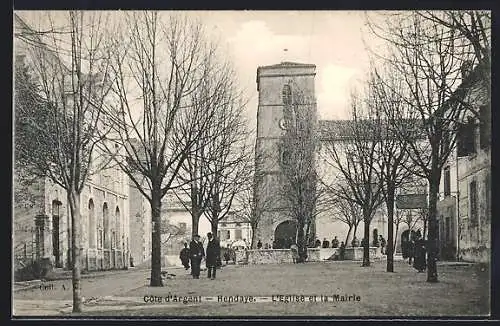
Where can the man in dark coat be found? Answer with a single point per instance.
(197, 253)
(184, 256)
(419, 262)
(213, 255)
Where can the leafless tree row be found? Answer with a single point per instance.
(145, 91)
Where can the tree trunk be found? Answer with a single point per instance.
(156, 279)
(195, 220)
(355, 231)
(425, 228)
(74, 203)
(395, 244)
(348, 234)
(254, 229)
(390, 228)
(366, 247)
(432, 275)
(301, 243)
(215, 227)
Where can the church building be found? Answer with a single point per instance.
(275, 84)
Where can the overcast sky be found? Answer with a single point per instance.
(332, 40)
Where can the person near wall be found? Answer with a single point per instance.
(213, 255)
(196, 254)
(383, 243)
(335, 242)
(326, 243)
(420, 262)
(363, 242)
(342, 251)
(295, 252)
(259, 244)
(184, 256)
(355, 242)
(227, 255)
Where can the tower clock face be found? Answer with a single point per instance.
(283, 123)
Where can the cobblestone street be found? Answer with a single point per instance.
(462, 290)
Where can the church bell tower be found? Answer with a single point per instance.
(279, 86)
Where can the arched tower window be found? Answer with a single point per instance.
(287, 94)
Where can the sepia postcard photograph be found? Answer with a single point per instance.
(251, 164)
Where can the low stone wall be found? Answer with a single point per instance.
(356, 253)
(269, 256)
(280, 256)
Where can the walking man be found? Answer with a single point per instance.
(213, 255)
(197, 253)
(184, 256)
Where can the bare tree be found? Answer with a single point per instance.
(219, 141)
(355, 156)
(246, 204)
(299, 183)
(73, 68)
(228, 164)
(395, 164)
(163, 61)
(346, 210)
(429, 58)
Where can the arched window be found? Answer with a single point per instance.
(287, 94)
(118, 233)
(92, 226)
(106, 243)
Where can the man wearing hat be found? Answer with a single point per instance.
(213, 255)
(196, 254)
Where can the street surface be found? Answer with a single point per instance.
(254, 290)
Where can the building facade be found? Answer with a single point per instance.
(465, 206)
(41, 216)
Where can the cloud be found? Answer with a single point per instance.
(334, 83)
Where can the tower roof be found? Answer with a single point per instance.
(286, 64)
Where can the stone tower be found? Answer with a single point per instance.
(277, 86)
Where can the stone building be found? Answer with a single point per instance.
(465, 208)
(232, 228)
(274, 84)
(41, 216)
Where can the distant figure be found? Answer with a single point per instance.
(259, 245)
(317, 244)
(227, 255)
(355, 242)
(335, 242)
(184, 256)
(295, 252)
(131, 261)
(326, 243)
(213, 255)
(382, 242)
(420, 262)
(197, 253)
(363, 242)
(342, 251)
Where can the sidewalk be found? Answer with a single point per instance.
(67, 275)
